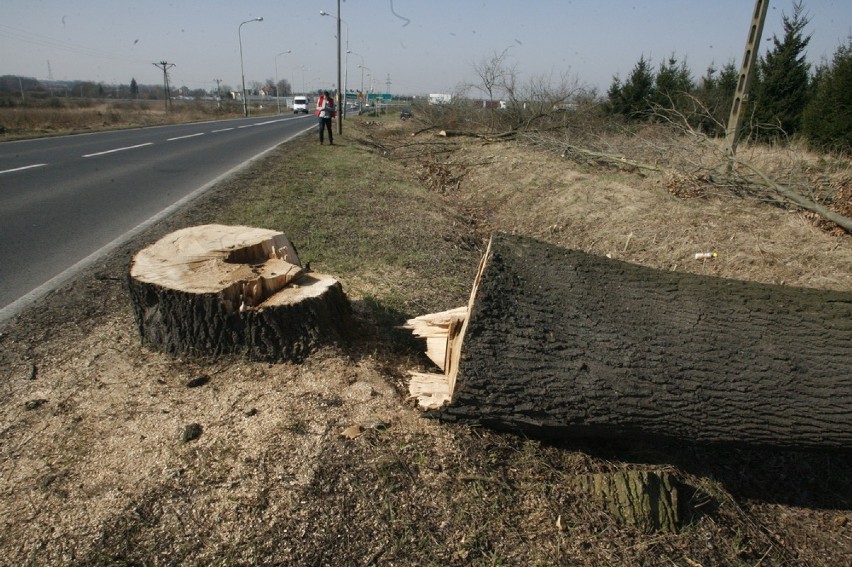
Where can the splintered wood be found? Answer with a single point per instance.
(444, 334)
(440, 331)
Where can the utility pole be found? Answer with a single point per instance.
(746, 77)
(218, 93)
(165, 66)
(50, 76)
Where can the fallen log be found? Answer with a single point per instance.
(215, 289)
(556, 342)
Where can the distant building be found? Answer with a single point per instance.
(439, 98)
(484, 103)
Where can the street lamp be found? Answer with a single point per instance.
(363, 93)
(361, 65)
(302, 67)
(345, 64)
(242, 71)
(277, 96)
(339, 114)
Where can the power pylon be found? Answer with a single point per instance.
(165, 66)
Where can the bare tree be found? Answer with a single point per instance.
(494, 74)
(542, 101)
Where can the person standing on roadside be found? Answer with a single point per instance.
(325, 111)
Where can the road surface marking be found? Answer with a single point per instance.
(222, 130)
(246, 126)
(183, 137)
(23, 168)
(119, 149)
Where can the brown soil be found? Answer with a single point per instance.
(97, 467)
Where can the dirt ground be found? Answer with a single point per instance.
(97, 467)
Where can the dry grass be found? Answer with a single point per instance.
(633, 218)
(86, 116)
(97, 474)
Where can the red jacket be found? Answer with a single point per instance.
(325, 107)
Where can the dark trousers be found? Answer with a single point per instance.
(325, 124)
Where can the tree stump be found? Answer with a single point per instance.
(555, 342)
(214, 289)
(652, 501)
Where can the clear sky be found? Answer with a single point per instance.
(423, 46)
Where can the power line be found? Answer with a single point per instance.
(45, 41)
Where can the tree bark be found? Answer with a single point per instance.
(213, 289)
(556, 342)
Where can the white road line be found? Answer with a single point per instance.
(119, 149)
(23, 168)
(246, 126)
(184, 137)
(222, 130)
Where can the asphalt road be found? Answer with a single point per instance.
(66, 201)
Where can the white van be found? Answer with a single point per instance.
(300, 104)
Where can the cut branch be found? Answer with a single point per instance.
(799, 199)
(495, 136)
(608, 158)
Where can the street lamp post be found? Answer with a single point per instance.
(277, 94)
(302, 67)
(363, 93)
(242, 70)
(346, 74)
(339, 94)
(361, 65)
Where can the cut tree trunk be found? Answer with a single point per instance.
(556, 342)
(653, 501)
(215, 289)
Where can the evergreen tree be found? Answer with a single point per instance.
(134, 89)
(672, 84)
(715, 92)
(827, 120)
(633, 98)
(781, 89)
(613, 97)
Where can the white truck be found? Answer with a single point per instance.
(300, 104)
(440, 98)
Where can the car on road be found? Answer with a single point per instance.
(405, 113)
(300, 104)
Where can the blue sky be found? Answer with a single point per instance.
(423, 46)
